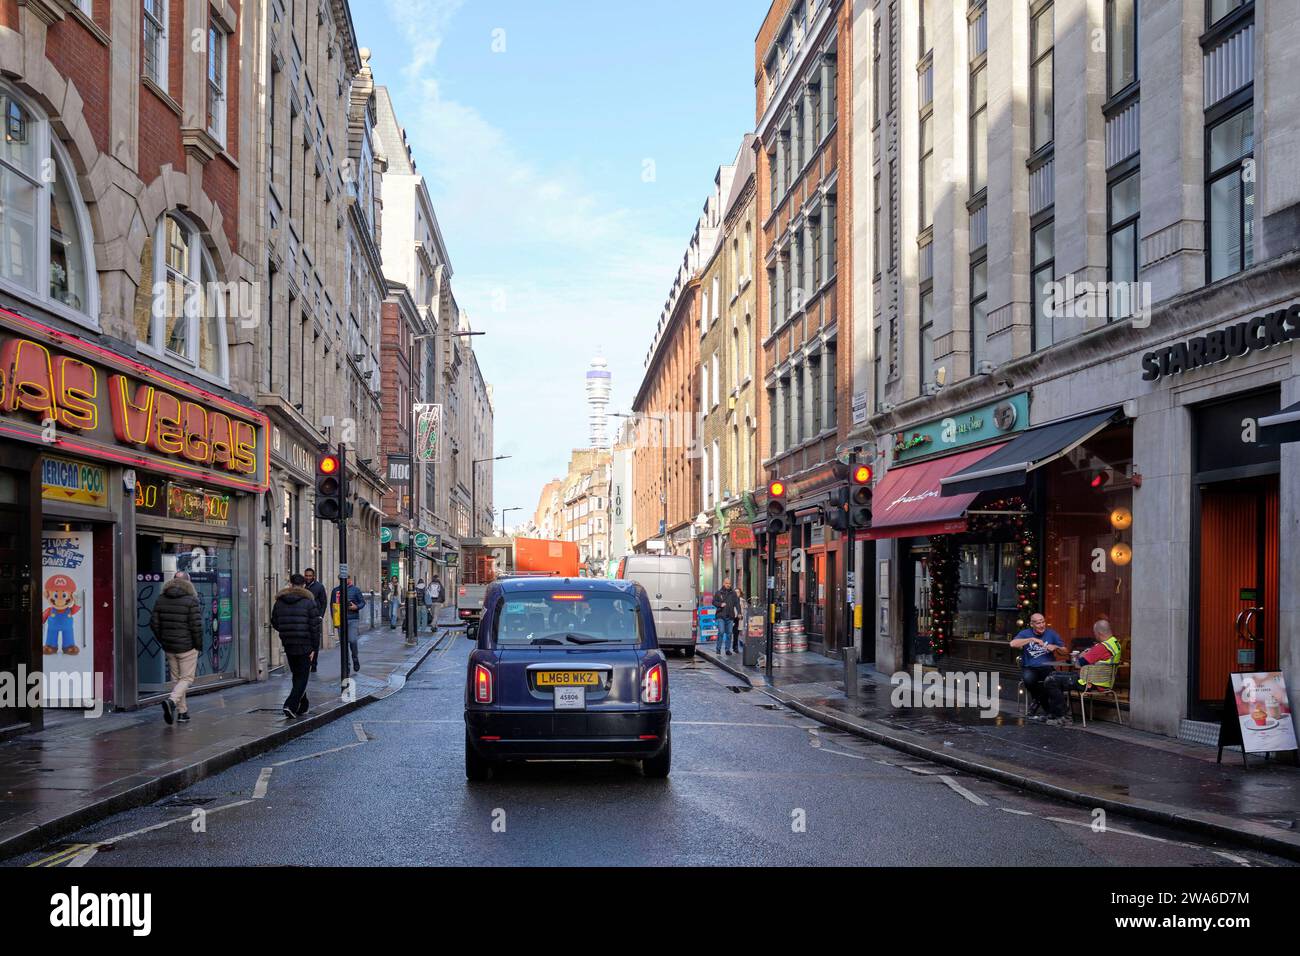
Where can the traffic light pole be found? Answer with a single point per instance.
(343, 565)
(771, 600)
(850, 592)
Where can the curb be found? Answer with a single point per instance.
(174, 781)
(1210, 824)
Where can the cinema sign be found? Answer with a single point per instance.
(76, 397)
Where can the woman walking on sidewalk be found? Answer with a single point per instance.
(295, 618)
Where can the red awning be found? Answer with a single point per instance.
(909, 502)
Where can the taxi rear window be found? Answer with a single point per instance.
(571, 618)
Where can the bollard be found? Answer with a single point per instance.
(851, 671)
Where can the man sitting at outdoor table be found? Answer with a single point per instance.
(1107, 650)
(1036, 643)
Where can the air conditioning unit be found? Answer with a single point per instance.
(985, 367)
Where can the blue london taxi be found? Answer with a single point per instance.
(566, 669)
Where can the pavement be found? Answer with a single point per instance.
(79, 770)
(1142, 775)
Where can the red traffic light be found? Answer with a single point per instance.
(328, 464)
(776, 489)
(862, 474)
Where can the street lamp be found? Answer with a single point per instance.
(663, 494)
(473, 492)
(503, 519)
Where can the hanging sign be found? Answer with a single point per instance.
(428, 433)
(65, 480)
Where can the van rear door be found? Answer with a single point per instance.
(673, 601)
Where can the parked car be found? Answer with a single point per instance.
(566, 668)
(669, 580)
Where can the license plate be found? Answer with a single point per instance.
(568, 679)
(570, 698)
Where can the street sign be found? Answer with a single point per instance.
(343, 570)
(385, 535)
(421, 540)
(399, 469)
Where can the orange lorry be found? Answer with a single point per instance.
(486, 559)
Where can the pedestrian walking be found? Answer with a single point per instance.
(356, 601)
(295, 619)
(177, 624)
(322, 601)
(420, 588)
(727, 608)
(393, 598)
(434, 596)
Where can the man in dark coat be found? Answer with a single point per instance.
(727, 603)
(295, 617)
(322, 598)
(356, 601)
(177, 624)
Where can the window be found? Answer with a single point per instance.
(771, 178)
(716, 379)
(815, 104)
(1231, 194)
(771, 421)
(926, 350)
(1043, 252)
(832, 387)
(1216, 10)
(815, 377)
(830, 216)
(787, 402)
(979, 326)
(979, 129)
(1121, 44)
(1124, 206)
(717, 473)
(717, 296)
(45, 247)
(217, 83)
(875, 226)
(818, 263)
(704, 313)
(878, 371)
(155, 41)
(876, 75)
(773, 319)
(704, 388)
(188, 316)
(749, 348)
(705, 485)
(1042, 27)
(924, 177)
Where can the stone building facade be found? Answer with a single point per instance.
(1104, 270)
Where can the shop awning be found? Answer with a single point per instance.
(1280, 428)
(907, 503)
(1010, 466)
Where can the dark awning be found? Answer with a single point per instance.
(1280, 428)
(1011, 464)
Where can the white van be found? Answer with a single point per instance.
(669, 579)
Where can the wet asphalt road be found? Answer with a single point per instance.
(752, 783)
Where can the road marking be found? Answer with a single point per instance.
(332, 750)
(81, 853)
(263, 781)
(55, 858)
(1132, 833)
(1021, 813)
(958, 788)
(360, 732)
(725, 723)
(1234, 858)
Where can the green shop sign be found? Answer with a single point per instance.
(973, 427)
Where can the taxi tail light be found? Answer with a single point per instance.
(482, 684)
(652, 685)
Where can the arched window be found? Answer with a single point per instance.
(46, 252)
(187, 320)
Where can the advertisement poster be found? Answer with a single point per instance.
(1264, 712)
(68, 647)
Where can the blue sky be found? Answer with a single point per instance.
(534, 122)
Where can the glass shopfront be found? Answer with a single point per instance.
(191, 540)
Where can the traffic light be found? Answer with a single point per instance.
(777, 522)
(329, 487)
(860, 497)
(837, 509)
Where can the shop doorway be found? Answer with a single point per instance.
(210, 563)
(1238, 602)
(16, 596)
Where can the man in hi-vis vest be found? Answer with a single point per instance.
(1107, 650)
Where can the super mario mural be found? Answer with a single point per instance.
(67, 564)
(61, 608)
